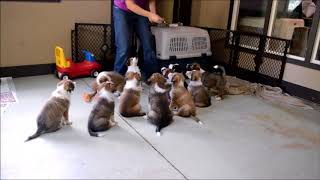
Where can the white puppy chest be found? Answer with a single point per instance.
(181, 42)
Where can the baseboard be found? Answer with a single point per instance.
(302, 92)
(27, 70)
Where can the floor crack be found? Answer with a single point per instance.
(150, 144)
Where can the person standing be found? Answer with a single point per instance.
(129, 16)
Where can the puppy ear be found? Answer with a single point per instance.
(101, 86)
(60, 82)
(129, 61)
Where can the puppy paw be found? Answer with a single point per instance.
(218, 98)
(113, 123)
(145, 117)
(200, 122)
(158, 133)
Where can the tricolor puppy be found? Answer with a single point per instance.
(212, 81)
(166, 71)
(117, 79)
(132, 64)
(159, 113)
(129, 104)
(55, 113)
(176, 68)
(102, 115)
(200, 96)
(181, 98)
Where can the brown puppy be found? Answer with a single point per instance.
(102, 115)
(57, 107)
(200, 96)
(159, 113)
(181, 99)
(117, 79)
(129, 104)
(213, 81)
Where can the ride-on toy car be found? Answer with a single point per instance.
(66, 68)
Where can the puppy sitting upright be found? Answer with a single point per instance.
(181, 99)
(57, 107)
(212, 81)
(200, 95)
(133, 65)
(102, 115)
(159, 113)
(117, 79)
(129, 104)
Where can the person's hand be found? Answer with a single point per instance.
(155, 18)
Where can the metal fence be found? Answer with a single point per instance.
(247, 55)
(250, 56)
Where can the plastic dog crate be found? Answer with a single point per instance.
(181, 42)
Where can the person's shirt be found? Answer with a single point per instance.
(122, 4)
(308, 8)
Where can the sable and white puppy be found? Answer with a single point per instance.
(129, 104)
(102, 115)
(117, 79)
(181, 98)
(200, 96)
(132, 64)
(212, 81)
(55, 113)
(159, 113)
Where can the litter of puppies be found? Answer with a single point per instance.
(168, 96)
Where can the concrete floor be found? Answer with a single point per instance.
(242, 137)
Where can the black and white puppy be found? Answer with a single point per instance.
(176, 68)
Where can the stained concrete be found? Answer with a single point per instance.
(242, 137)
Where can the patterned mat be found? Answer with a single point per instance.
(8, 93)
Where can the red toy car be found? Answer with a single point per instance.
(66, 68)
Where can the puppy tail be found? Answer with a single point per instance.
(158, 129)
(222, 69)
(197, 119)
(35, 135)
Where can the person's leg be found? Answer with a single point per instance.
(123, 32)
(145, 36)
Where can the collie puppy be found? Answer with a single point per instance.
(117, 79)
(102, 115)
(159, 113)
(176, 68)
(129, 103)
(55, 113)
(167, 73)
(200, 96)
(215, 82)
(132, 64)
(181, 99)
